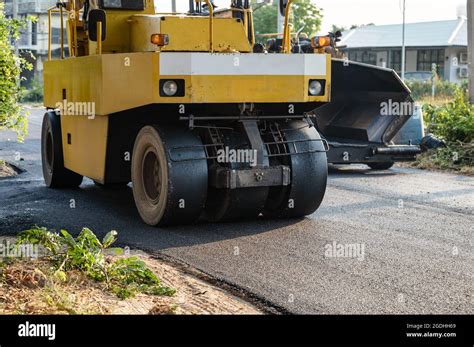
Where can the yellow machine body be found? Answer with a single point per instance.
(117, 82)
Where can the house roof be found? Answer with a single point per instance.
(426, 34)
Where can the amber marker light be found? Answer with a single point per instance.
(321, 41)
(160, 39)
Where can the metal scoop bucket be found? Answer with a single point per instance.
(369, 105)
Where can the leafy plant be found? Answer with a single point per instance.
(87, 254)
(34, 93)
(453, 122)
(12, 116)
(41, 236)
(131, 274)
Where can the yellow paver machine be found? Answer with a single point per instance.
(205, 122)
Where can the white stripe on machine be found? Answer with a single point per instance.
(210, 64)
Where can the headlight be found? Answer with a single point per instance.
(170, 88)
(315, 88)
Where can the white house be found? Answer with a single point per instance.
(443, 43)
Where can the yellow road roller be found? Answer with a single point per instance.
(186, 106)
(206, 123)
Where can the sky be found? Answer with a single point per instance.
(348, 12)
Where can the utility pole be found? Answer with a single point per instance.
(173, 6)
(403, 43)
(470, 47)
(15, 16)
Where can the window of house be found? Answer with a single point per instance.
(428, 57)
(363, 57)
(34, 34)
(24, 35)
(396, 60)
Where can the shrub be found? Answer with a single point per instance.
(454, 122)
(34, 93)
(87, 254)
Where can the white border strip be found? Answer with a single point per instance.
(216, 64)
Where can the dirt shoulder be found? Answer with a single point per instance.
(426, 163)
(26, 287)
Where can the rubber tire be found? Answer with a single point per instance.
(309, 172)
(54, 173)
(381, 166)
(179, 180)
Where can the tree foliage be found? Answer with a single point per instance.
(265, 19)
(304, 14)
(12, 116)
(307, 15)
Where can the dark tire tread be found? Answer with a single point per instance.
(381, 166)
(54, 173)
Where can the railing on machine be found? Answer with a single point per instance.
(286, 31)
(72, 16)
(51, 10)
(60, 8)
(211, 23)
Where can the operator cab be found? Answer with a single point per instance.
(128, 25)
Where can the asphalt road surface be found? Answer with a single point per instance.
(413, 230)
